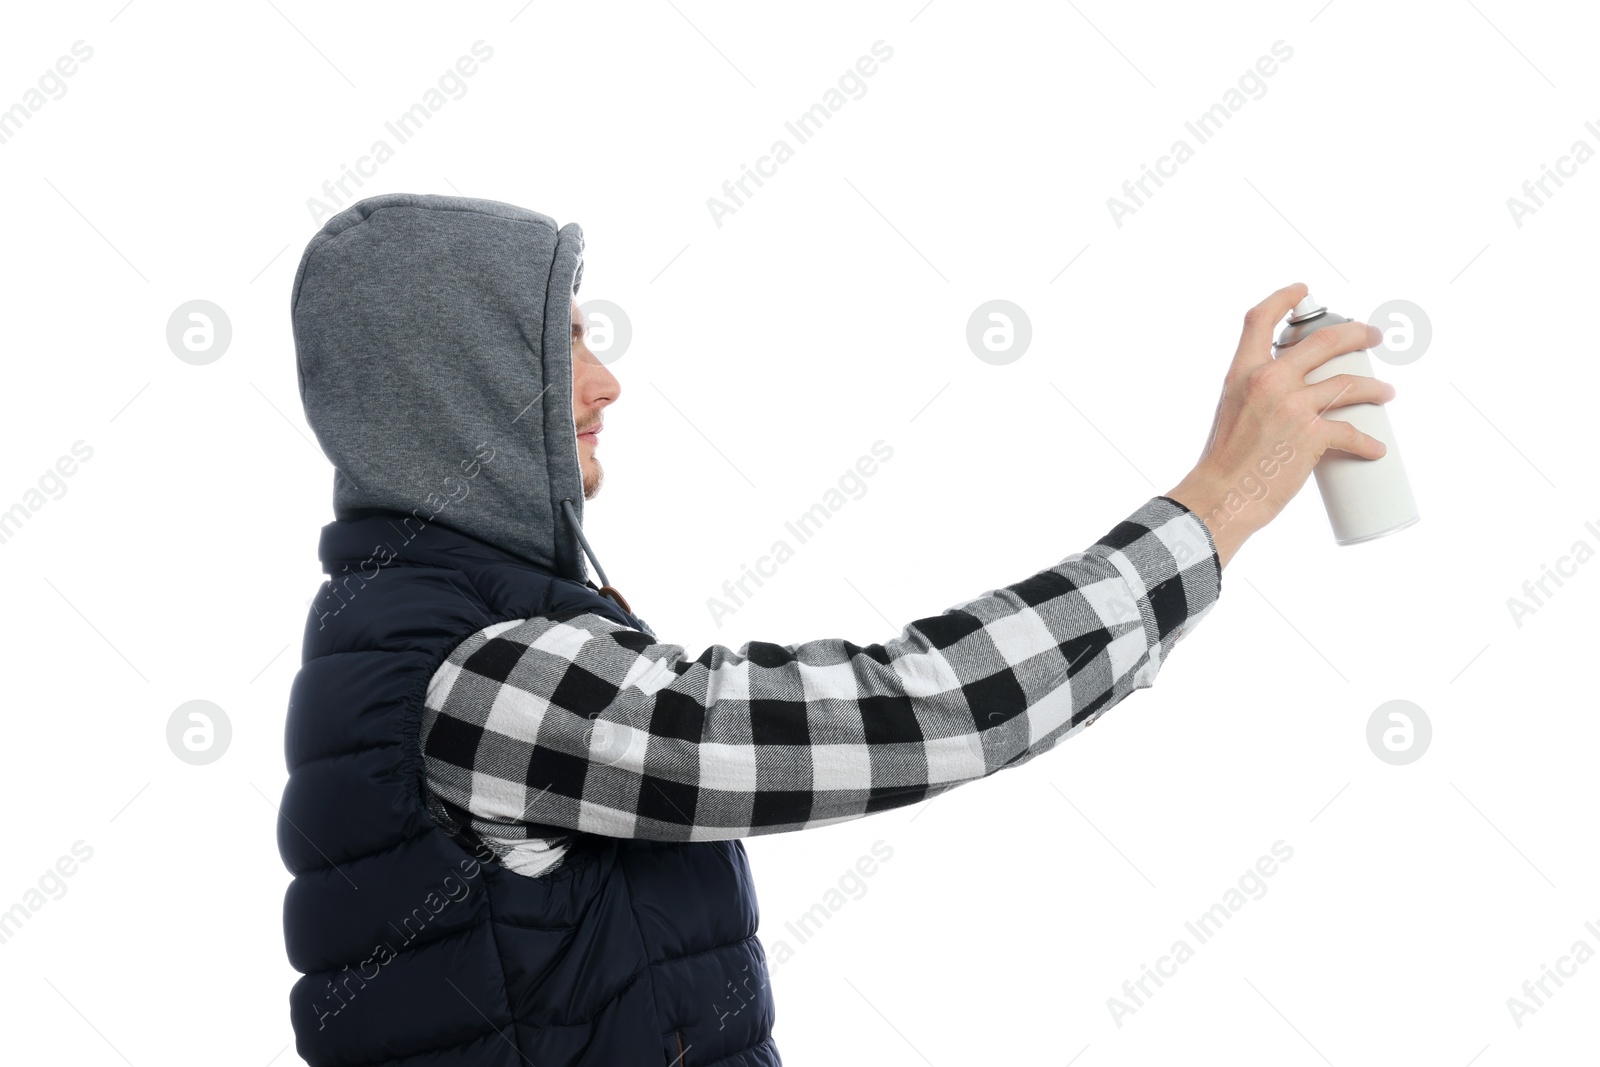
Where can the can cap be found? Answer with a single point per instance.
(1306, 308)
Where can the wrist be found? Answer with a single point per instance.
(1209, 500)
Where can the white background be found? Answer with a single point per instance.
(769, 353)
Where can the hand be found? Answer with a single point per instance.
(1268, 432)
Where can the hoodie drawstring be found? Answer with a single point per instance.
(577, 528)
(606, 590)
(605, 585)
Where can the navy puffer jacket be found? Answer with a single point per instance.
(416, 946)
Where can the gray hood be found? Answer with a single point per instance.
(433, 341)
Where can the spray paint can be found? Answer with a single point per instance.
(1365, 498)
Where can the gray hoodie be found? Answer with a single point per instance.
(433, 339)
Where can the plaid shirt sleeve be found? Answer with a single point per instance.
(586, 725)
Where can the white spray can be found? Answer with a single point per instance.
(1365, 498)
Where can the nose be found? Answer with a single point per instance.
(596, 385)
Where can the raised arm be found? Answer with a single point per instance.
(579, 724)
(582, 724)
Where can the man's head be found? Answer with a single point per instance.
(433, 370)
(593, 389)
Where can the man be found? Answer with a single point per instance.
(513, 815)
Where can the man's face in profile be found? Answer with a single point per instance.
(593, 388)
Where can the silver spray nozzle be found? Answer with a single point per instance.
(1305, 309)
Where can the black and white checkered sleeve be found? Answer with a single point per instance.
(586, 725)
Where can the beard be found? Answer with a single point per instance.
(593, 478)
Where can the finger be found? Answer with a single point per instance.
(1330, 341)
(1343, 389)
(1255, 343)
(1346, 438)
